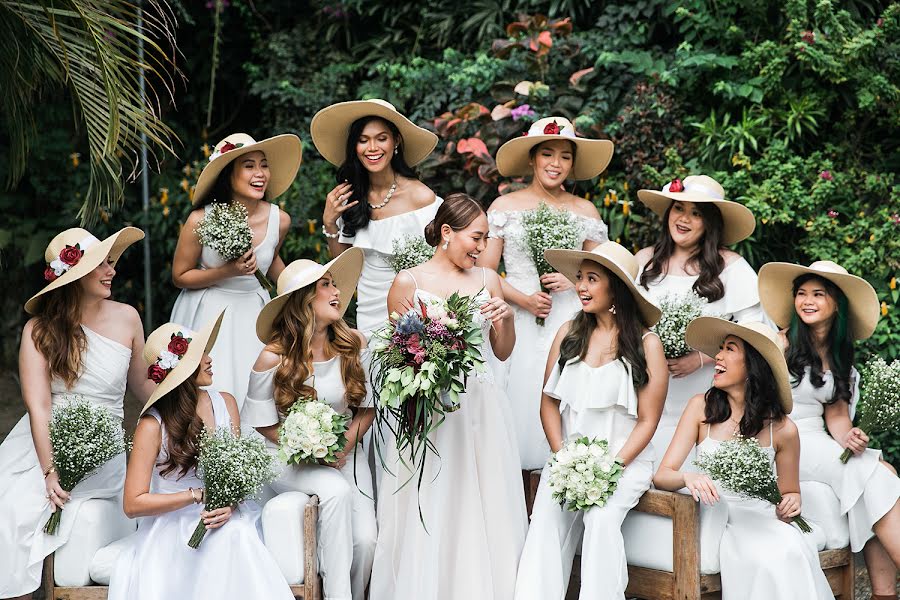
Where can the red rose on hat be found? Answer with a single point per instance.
(551, 129)
(228, 146)
(156, 373)
(50, 274)
(178, 345)
(71, 255)
(676, 186)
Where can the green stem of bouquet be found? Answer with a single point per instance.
(53, 522)
(197, 536)
(540, 320)
(847, 454)
(264, 281)
(802, 524)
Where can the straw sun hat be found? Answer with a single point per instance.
(173, 352)
(76, 252)
(591, 156)
(345, 269)
(283, 153)
(738, 221)
(331, 126)
(614, 257)
(776, 282)
(707, 333)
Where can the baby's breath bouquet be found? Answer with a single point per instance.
(879, 404)
(408, 252)
(311, 432)
(225, 228)
(740, 465)
(545, 228)
(584, 473)
(84, 437)
(678, 310)
(233, 468)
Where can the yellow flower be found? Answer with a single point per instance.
(75, 156)
(862, 213)
(849, 239)
(164, 196)
(165, 211)
(187, 170)
(206, 150)
(606, 200)
(893, 283)
(809, 224)
(884, 309)
(185, 184)
(618, 240)
(318, 247)
(587, 196)
(764, 221)
(311, 223)
(626, 208)
(191, 194)
(872, 238)
(625, 186)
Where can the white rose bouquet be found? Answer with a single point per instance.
(84, 437)
(678, 310)
(311, 432)
(584, 473)
(546, 227)
(879, 405)
(408, 252)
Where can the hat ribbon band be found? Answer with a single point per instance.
(696, 188)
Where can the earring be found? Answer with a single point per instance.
(396, 149)
(446, 243)
(612, 309)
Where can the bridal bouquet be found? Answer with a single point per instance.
(408, 252)
(546, 227)
(678, 310)
(232, 468)
(740, 465)
(879, 405)
(84, 437)
(311, 432)
(225, 228)
(584, 473)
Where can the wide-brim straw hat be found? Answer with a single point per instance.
(776, 282)
(737, 219)
(283, 154)
(201, 342)
(706, 334)
(614, 257)
(591, 156)
(95, 252)
(331, 126)
(345, 269)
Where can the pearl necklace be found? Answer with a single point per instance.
(386, 198)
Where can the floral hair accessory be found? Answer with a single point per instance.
(169, 358)
(551, 129)
(226, 147)
(68, 258)
(676, 186)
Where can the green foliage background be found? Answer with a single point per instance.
(794, 106)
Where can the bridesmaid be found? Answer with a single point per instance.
(761, 554)
(378, 197)
(310, 351)
(253, 174)
(551, 154)
(618, 400)
(471, 497)
(79, 342)
(823, 310)
(162, 487)
(690, 254)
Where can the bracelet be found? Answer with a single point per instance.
(331, 236)
(49, 469)
(194, 498)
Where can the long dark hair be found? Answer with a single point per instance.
(355, 173)
(707, 260)
(761, 401)
(629, 343)
(802, 352)
(221, 190)
(178, 410)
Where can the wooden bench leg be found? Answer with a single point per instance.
(311, 587)
(686, 547)
(48, 579)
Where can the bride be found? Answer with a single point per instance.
(471, 495)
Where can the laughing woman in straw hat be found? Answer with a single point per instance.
(761, 554)
(79, 342)
(618, 400)
(378, 198)
(551, 154)
(311, 352)
(162, 486)
(690, 254)
(252, 174)
(824, 309)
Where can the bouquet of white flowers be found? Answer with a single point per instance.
(741, 466)
(546, 227)
(584, 473)
(678, 310)
(311, 432)
(233, 468)
(879, 405)
(225, 228)
(84, 437)
(408, 252)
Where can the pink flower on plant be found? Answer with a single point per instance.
(522, 112)
(826, 175)
(833, 213)
(896, 218)
(808, 36)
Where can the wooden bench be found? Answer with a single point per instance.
(310, 589)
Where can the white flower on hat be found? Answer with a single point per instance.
(168, 360)
(59, 267)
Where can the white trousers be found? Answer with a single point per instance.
(555, 532)
(347, 529)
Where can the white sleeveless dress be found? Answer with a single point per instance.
(596, 402)
(865, 488)
(24, 509)
(236, 346)
(231, 562)
(524, 370)
(762, 556)
(740, 304)
(375, 240)
(472, 503)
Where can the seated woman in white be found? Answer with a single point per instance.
(761, 554)
(619, 400)
(161, 485)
